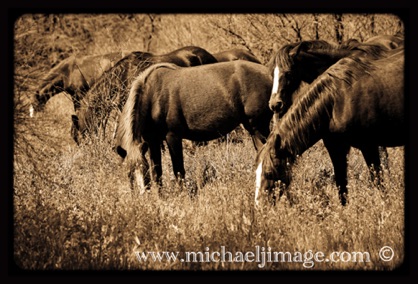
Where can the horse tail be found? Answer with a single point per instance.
(130, 127)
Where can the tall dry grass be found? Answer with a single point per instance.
(81, 213)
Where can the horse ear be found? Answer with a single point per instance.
(297, 49)
(74, 118)
(275, 47)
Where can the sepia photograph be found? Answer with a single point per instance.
(209, 142)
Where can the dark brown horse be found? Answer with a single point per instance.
(111, 90)
(235, 54)
(305, 61)
(74, 75)
(357, 102)
(170, 103)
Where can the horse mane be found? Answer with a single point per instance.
(128, 133)
(374, 51)
(284, 55)
(305, 117)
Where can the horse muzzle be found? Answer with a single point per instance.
(277, 106)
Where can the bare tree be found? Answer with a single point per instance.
(148, 41)
(316, 26)
(339, 28)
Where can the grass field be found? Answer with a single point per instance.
(80, 213)
(74, 209)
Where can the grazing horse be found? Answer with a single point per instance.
(305, 61)
(202, 103)
(357, 102)
(74, 75)
(235, 54)
(111, 90)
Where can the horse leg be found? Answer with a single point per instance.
(106, 118)
(76, 98)
(139, 169)
(115, 128)
(75, 126)
(259, 130)
(156, 168)
(175, 148)
(372, 158)
(258, 141)
(384, 157)
(338, 151)
(103, 127)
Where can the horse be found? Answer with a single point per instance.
(74, 75)
(306, 60)
(110, 91)
(358, 102)
(202, 103)
(235, 54)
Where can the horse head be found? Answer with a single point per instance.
(38, 101)
(286, 77)
(300, 62)
(273, 169)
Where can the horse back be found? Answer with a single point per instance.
(373, 106)
(213, 96)
(233, 77)
(187, 56)
(235, 54)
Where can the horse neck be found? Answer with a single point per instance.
(306, 120)
(54, 79)
(52, 85)
(114, 56)
(112, 79)
(326, 58)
